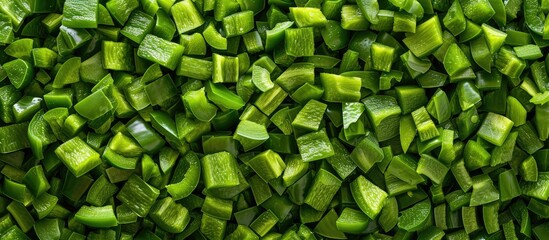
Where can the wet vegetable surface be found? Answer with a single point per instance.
(278, 119)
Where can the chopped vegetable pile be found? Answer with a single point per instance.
(278, 119)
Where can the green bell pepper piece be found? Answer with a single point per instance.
(299, 42)
(161, 90)
(99, 217)
(22, 216)
(310, 116)
(212, 227)
(455, 61)
(384, 114)
(260, 190)
(495, 128)
(494, 37)
(308, 17)
(225, 69)
(388, 217)
(121, 9)
(78, 156)
(164, 26)
(369, 197)
(533, 19)
(138, 25)
(508, 185)
(250, 134)
(238, 23)
(269, 101)
(9, 95)
(416, 217)
(74, 38)
(327, 226)
(261, 78)
(138, 195)
(219, 170)
(366, 154)
(537, 189)
(352, 221)
(21, 49)
(426, 39)
(195, 68)
(80, 14)
(160, 51)
(68, 73)
(404, 167)
(198, 105)
(145, 135)
(101, 191)
(19, 72)
(268, 165)
(529, 169)
(223, 97)
(183, 185)
(219, 208)
(194, 44)
(315, 146)
(186, 16)
(324, 187)
(117, 56)
(454, 20)
(339, 88)
(484, 191)
(432, 168)
(94, 106)
(276, 35)
(341, 161)
(214, 38)
(13, 137)
(295, 169)
(36, 181)
(353, 19)
(170, 216)
(508, 63)
(264, 223)
(44, 204)
(26, 107)
(40, 135)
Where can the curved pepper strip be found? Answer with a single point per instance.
(100, 217)
(533, 16)
(198, 104)
(222, 96)
(40, 135)
(188, 183)
(118, 160)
